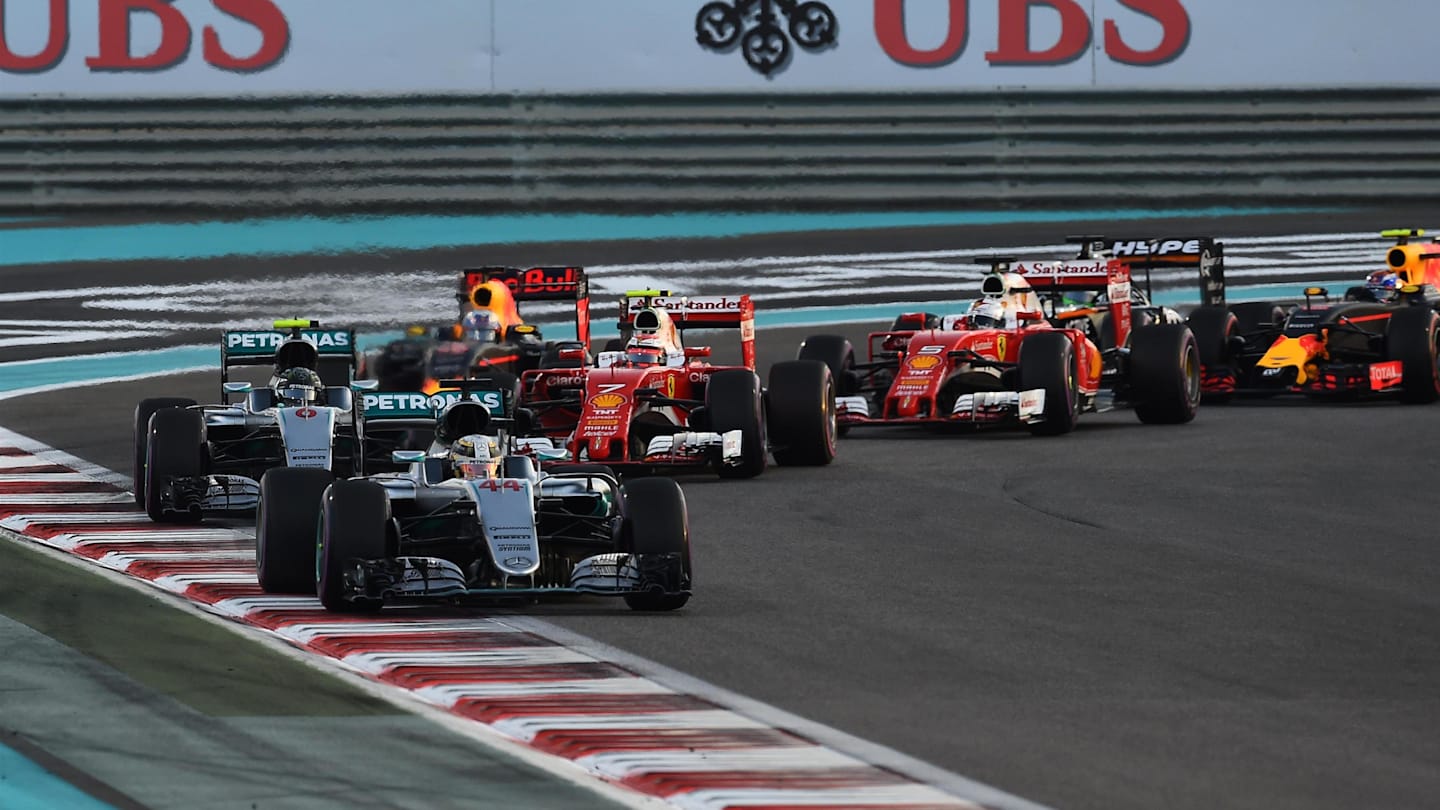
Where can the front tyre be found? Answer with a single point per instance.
(285, 528)
(1165, 374)
(734, 402)
(353, 519)
(140, 435)
(1410, 338)
(659, 525)
(175, 448)
(801, 413)
(1214, 327)
(1047, 361)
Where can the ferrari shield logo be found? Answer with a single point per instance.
(1000, 346)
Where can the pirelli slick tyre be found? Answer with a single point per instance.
(1047, 361)
(285, 528)
(353, 519)
(836, 352)
(658, 523)
(734, 402)
(175, 448)
(801, 413)
(1411, 338)
(140, 436)
(1213, 328)
(1254, 316)
(1165, 374)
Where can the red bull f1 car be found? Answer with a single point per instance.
(654, 403)
(1025, 354)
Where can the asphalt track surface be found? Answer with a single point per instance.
(1240, 612)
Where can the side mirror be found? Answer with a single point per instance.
(1031, 317)
(237, 388)
(407, 456)
(365, 385)
(697, 351)
(572, 354)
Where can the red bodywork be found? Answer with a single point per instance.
(923, 361)
(602, 413)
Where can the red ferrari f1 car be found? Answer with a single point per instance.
(653, 403)
(1021, 354)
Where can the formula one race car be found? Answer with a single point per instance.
(657, 404)
(1359, 348)
(193, 460)
(1005, 362)
(469, 519)
(1407, 264)
(490, 335)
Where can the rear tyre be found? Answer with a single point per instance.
(1213, 328)
(733, 401)
(1165, 374)
(658, 522)
(1047, 361)
(801, 413)
(353, 519)
(141, 435)
(1411, 339)
(285, 528)
(175, 448)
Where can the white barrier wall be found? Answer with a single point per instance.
(52, 48)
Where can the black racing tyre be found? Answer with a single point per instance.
(1255, 316)
(285, 528)
(1047, 361)
(1165, 374)
(1213, 328)
(1411, 339)
(659, 524)
(141, 434)
(175, 448)
(800, 414)
(836, 352)
(734, 402)
(354, 515)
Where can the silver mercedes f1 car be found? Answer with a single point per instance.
(470, 518)
(193, 460)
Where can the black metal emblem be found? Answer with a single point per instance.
(755, 24)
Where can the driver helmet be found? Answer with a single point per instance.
(987, 314)
(645, 350)
(1383, 284)
(298, 386)
(481, 325)
(475, 456)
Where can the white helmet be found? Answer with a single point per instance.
(987, 314)
(475, 456)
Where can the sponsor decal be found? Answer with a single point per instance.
(1385, 375)
(1064, 268)
(504, 547)
(982, 345)
(417, 404)
(1167, 247)
(518, 562)
(306, 413)
(756, 26)
(499, 484)
(699, 376)
(565, 382)
(260, 343)
(709, 303)
(924, 362)
(536, 281)
(608, 401)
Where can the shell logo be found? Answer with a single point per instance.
(924, 362)
(607, 400)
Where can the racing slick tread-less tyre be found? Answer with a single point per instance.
(733, 400)
(175, 448)
(801, 413)
(655, 509)
(285, 528)
(1213, 327)
(1253, 316)
(353, 517)
(1047, 360)
(143, 412)
(1165, 374)
(1410, 338)
(836, 352)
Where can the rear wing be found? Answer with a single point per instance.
(1205, 255)
(377, 406)
(331, 352)
(537, 284)
(696, 312)
(1110, 275)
